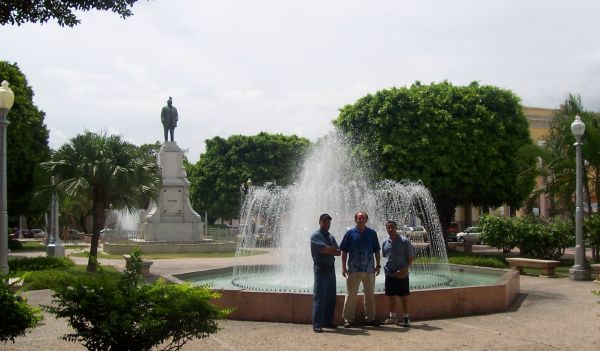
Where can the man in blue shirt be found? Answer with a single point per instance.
(359, 245)
(400, 254)
(323, 248)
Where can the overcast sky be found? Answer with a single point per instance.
(241, 67)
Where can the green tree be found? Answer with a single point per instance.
(462, 142)
(27, 145)
(23, 11)
(560, 156)
(227, 163)
(109, 172)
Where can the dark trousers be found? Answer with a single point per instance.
(324, 296)
(169, 131)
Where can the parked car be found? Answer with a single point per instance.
(28, 234)
(470, 235)
(452, 231)
(38, 233)
(416, 234)
(73, 235)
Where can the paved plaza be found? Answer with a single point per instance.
(549, 314)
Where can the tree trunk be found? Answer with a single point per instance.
(445, 209)
(597, 187)
(588, 195)
(98, 223)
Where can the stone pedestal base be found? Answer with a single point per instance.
(53, 250)
(579, 274)
(171, 231)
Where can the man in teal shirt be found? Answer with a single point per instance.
(323, 248)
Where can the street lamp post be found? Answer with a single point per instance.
(7, 98)
(579, 270)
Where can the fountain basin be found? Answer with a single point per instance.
(296, 307)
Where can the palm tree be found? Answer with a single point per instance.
(107, 171)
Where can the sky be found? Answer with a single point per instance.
(242, 67)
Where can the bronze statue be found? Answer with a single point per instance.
(169, 118)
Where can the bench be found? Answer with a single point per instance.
(466, 247)
(547, 266)
(145, 264)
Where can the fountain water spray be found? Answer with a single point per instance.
(332, 181)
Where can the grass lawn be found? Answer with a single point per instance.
(181, 255)
(50, 278)
(49, 272)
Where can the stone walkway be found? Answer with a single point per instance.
(549, 314)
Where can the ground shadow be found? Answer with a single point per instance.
(424, 326)
(514, 307)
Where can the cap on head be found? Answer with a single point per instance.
(324, 216)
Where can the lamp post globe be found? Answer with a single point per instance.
(580, 270)
(7, 99)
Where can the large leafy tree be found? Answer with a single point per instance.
(23, 11)
(227, 163)
(463, 142)
(27, 144)
(106, 170)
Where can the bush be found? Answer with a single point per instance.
(498, 232)
(14, 244)
(124, 315)
(17, 315)
(545, 239)
(592, 235)
(39, 263)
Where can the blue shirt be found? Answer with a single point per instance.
(397, 252)
(318, 241)
(360, 249)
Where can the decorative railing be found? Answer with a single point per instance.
(110, 235)
(222, 234)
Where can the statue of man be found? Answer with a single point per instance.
(169, 118)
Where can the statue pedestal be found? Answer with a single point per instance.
(171, 217)
(55, 250)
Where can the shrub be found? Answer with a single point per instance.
(543, 239)
(17, 315)
(14, 244)
(592, 235)
(498, 232)
(52, 279)
(125, 315)
(534, 237)
(39, 263)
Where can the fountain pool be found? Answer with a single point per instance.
(281, 220)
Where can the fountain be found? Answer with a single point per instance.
(281, 220)
(332, 182)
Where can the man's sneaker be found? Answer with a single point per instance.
(390, 321)
(347, 324)
(406, 322)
